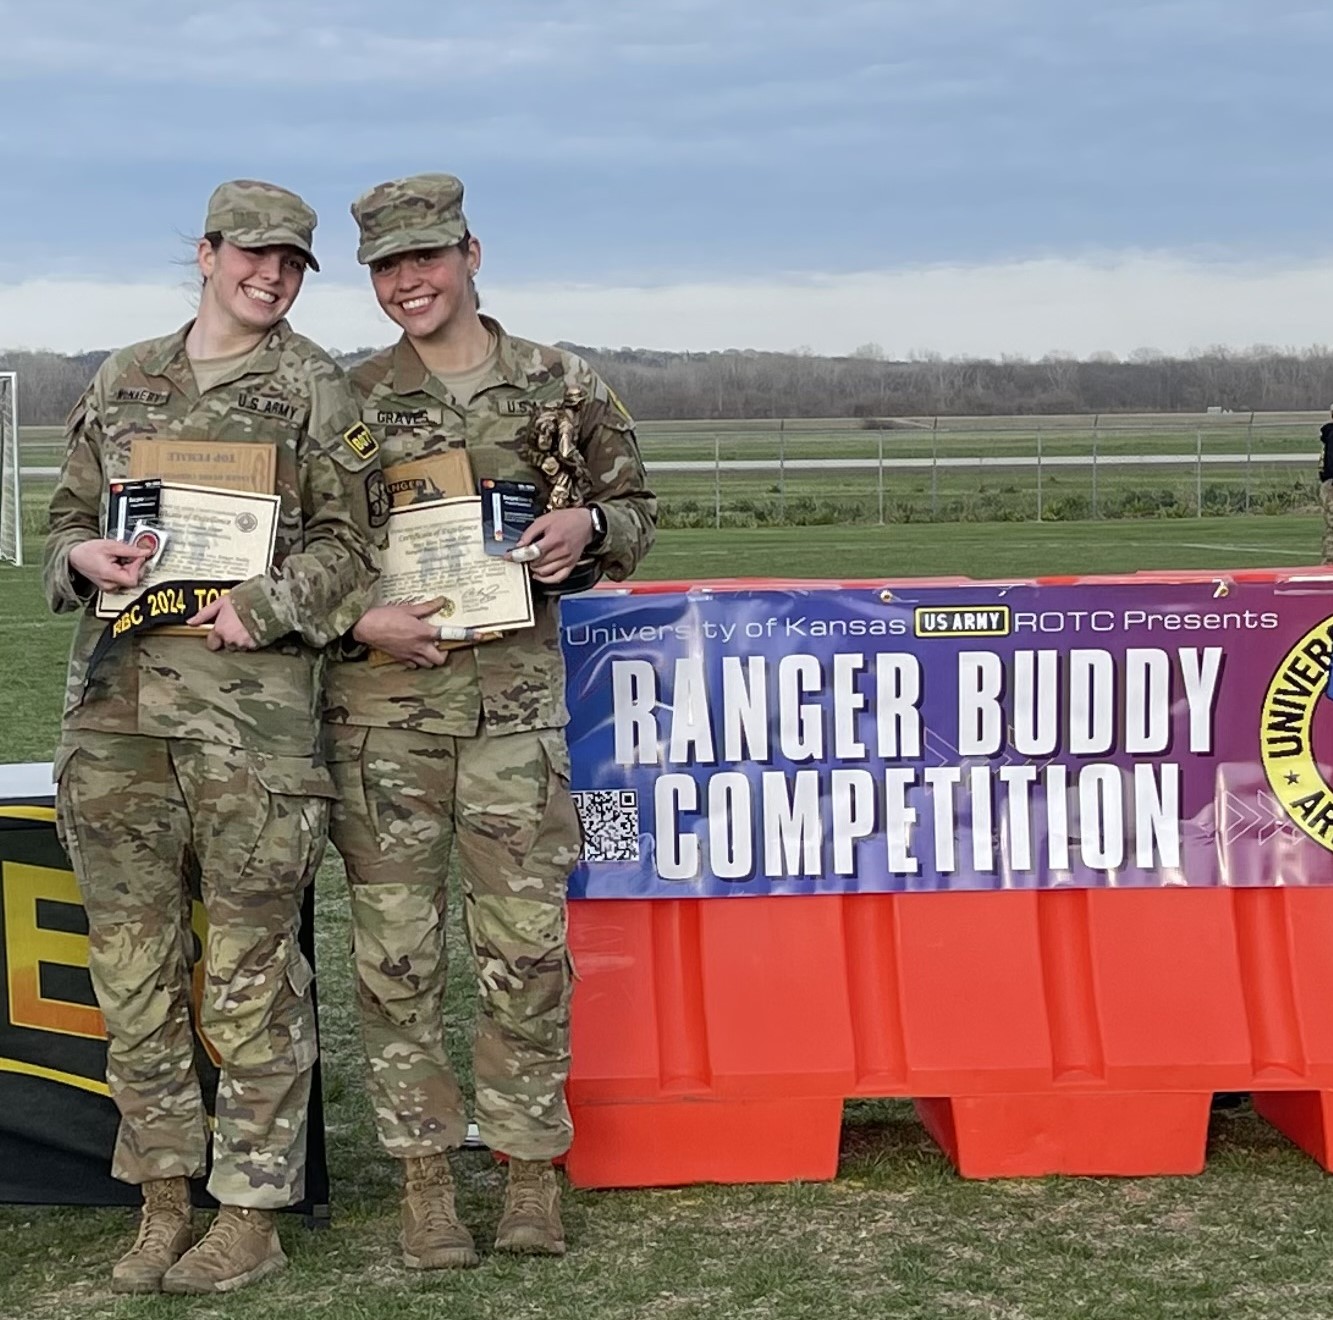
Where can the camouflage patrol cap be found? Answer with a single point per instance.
(253, 214)
(405, 215)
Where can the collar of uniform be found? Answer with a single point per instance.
(409, 371)
(166, 352)
(410, 374)
(268, 355)
(170, 353)
(508, 365)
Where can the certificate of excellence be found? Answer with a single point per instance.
(435, 549)
(211, 536)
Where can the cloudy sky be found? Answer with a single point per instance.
(961, 176)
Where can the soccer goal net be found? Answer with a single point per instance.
(11, 509)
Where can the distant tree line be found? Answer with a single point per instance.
(750, 384)
(736, 383)
(49, 383)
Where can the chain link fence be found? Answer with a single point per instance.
(784, 472)
(981, 469)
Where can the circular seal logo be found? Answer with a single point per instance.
(246, 522)
(1286, 746)
(378, 499)
(447, 607)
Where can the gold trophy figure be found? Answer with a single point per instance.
(551, 446)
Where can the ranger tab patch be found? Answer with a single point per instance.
(360, 441)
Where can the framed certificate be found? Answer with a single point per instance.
(435, 549)
(212, 536)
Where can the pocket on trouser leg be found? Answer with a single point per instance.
(301, 1025)
(111, 816)
(63, 777)
(256, 1004)
(525, 837)
(316, 823)
(522, 963)
(559, 841)
(296, 818)
(258, 1010)
(351, 826)
(253, 828)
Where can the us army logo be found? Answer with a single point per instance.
(136, 394)
(1295, 696)
(265, 407)
(360, 441)
(962, 621)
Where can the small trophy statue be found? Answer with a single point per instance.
(551, 446)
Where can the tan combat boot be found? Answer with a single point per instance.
(530, 1223)
(433, 1237)
(240, 1247)
(164, 1237)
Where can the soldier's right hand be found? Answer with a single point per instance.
(109, 565)
(402, 632)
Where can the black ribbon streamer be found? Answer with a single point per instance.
(159, 606)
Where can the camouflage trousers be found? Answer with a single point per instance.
(1326, 508)
(131, 811)
(403, 799)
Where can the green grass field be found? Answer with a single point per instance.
(896, 1234)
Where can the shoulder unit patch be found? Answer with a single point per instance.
(617, 405)
(359, 440)
(378, 499)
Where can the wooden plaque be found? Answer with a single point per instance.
(222, 464)
(435, 477)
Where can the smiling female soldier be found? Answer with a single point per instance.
(178, 746)
(469, 744)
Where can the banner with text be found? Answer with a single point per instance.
(1105, 734)
(57, 1121)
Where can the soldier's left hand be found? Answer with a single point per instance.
(228, 630)
(563, 535)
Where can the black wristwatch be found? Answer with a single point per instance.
(598, 527)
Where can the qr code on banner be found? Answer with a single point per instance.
(610, 824)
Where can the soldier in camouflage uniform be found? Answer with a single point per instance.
(467, 745)
(181, 746)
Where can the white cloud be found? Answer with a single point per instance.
(254, 43)
(1076, 305)
(340, 42)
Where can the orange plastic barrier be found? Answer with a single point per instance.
(1069, 1031)
(1059, 1031)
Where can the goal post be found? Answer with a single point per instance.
(11, 503)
